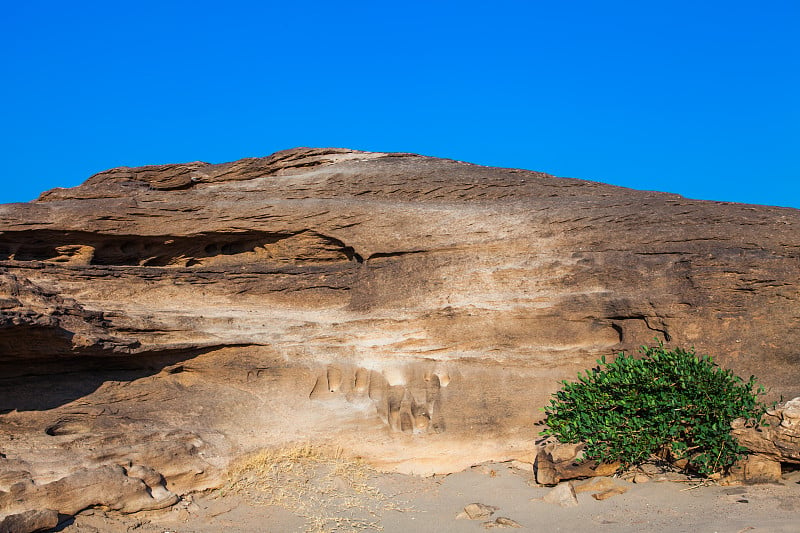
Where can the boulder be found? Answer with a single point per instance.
(107, 486)
(556, 462)
(777, 437)
(562, 494)
(754, 469)
(29, 521)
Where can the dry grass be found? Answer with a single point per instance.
(333, 493)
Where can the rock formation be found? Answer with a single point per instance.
(778, 436)
(157, 321)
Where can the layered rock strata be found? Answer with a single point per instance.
(411, 310)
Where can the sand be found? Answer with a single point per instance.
(332, 497)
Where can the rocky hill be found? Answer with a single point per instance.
(156, 322)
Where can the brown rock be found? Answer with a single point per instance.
(107, 486)
(777, 438)
(476, 511)
(563, 494)
(792, 476)
(606, 494)
(545, 470)
(556, 462)
(597, 484)
(177, 316)
(565, 453)
(760, 469)
(501, 522)
(29, 521)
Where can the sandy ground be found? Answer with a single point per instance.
(334, 500)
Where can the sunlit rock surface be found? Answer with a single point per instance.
(156, 322)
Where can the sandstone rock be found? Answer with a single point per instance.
(597, 484)
(29, 521)
(415, 311)
(556, 462)
(606, 494)
(37, 323)
(545, 470)
(108, 486)
(477, 511)
(601, 487)
(777, 438)
(756, 469)
(651, 469)
(565, 453)
(563, 494)
(792, 476)
(501, 522)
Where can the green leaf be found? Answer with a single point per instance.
(665, 399)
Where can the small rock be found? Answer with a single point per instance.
(563, 494)
(29, 521)
(606, 494)
(501, 522)
(641, 478)
(603, 488)
(650, 469)
(792, 476)
(759, 469)
(596, 484)
(341, 484)
(545, 470)
(565, 452)
(681, 464)
(476, 511)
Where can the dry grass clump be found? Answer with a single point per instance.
(332, 492)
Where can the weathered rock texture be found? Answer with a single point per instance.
(777, 437)
(412, 310)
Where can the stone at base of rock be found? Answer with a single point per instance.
(501, 522)
(602, 487)
(29, 521)
(792, 476)
(606, 494)
(563, 495)
(597, 484)
(755, 469)
(476, 511)
(778, 435)
(557, 462)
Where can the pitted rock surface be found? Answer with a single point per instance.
(414, 311)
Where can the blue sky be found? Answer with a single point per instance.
(699, 98)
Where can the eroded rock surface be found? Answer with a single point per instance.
(411, 310)
(777, 437)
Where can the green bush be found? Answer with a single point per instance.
(666, 403)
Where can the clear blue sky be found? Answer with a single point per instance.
(700, 98)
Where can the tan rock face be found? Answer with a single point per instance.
(778, 437)
(414, 311)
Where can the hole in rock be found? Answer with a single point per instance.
(202, 249)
